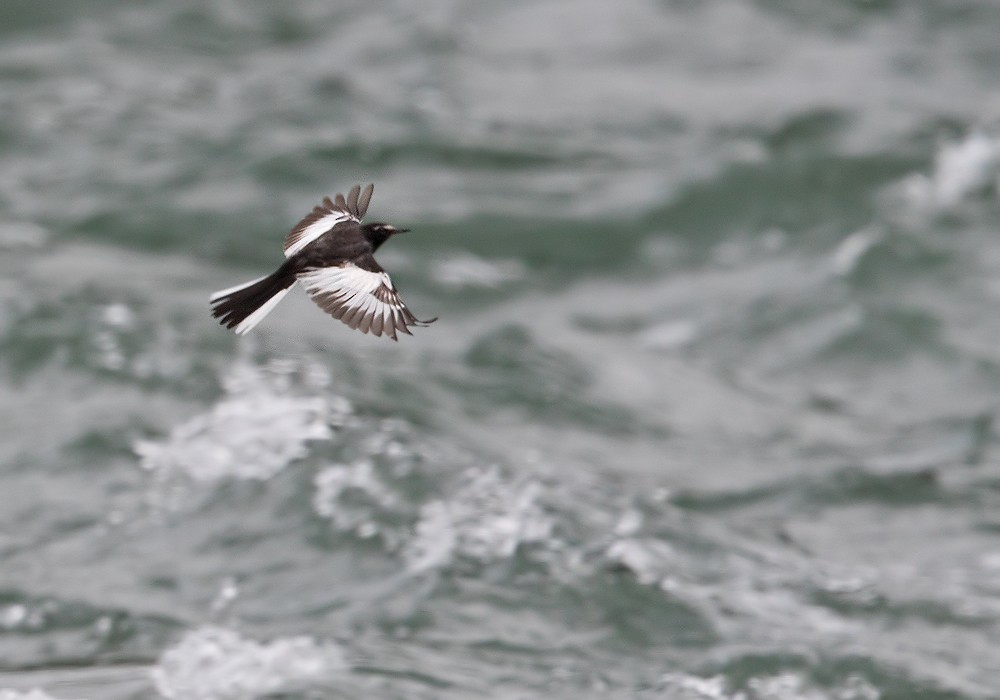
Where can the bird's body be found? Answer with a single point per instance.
(330, 252)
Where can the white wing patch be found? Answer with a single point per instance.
(321, 219)
(314, 226)
(362, 299)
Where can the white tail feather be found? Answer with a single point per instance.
(257, 316)
(226, 292)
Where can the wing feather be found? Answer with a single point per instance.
(323, 218)
(352, 200)
(364, 200)
(363, 297)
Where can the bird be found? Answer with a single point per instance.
(330, 253)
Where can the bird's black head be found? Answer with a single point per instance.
(379, 232)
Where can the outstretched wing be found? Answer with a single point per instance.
(360, 294)
(324, 217)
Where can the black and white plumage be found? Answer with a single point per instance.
(330, 253)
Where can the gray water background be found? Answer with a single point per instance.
(708, 413)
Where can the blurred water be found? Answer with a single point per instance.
(708, 413)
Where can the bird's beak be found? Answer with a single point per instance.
(402, 230)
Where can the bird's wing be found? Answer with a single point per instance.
(360, 294)
(324, 217)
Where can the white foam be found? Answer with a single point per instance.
(961, 169)
(213, 663)
(254, 432)
(352, 496)
(488, 518)
(649, 559)
(793, 686)
(681, 686)
(784, 686)
(118, 315)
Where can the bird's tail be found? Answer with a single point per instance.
(244, 306)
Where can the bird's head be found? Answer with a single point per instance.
(379, 232)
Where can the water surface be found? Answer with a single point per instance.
(709, 412)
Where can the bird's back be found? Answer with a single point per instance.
(341, 243)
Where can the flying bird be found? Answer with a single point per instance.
(330, 253)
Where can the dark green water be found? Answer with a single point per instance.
(708, 415)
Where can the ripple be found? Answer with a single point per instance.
(35, 694)
(669, 335)
(53, 631)
(469, 271)
(22, 235)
